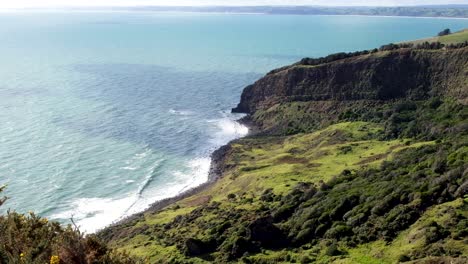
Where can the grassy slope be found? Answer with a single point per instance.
(457, 37)
(276, 163)
(454, 38)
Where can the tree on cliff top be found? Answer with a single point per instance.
(444, 32)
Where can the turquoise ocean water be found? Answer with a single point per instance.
(103, 113)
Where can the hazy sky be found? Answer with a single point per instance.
(46, 3)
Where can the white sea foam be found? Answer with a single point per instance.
(136, 161)
(92, 214)
(227, 129)
(129, 168)
(199, 170)
(180, 112)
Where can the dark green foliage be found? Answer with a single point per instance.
(457, 45)
(435, 232)
(196, 247)
(344, 55)
(32, 239)
(331, 58)
(430, 45)
(423, 120)
(444, 32)
(345, 149)
(394, 198)
(305, 260)
(332, 250)
(387, 47)
(264, 233)
(392, 46)
(403, 258)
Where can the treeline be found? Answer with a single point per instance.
(344, 55)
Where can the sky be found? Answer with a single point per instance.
(52, 3)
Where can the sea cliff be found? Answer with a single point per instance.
(333, 88)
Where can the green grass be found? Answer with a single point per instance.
(457, 37)
(166, 215)
(454, 38)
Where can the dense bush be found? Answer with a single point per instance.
(33, 239)
(423, 120)
(457, 45)
(388, 47)
(396, 195)
(430, 45)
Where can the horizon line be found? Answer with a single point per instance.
(233, 6)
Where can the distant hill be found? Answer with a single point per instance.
(460, 11)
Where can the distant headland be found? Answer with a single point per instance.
(449, 11)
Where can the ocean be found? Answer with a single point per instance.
(104, 113)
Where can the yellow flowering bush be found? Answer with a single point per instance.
(54, 259)
(28, 238)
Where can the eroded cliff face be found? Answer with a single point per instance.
(412, 74)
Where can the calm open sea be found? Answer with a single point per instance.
(103, 113)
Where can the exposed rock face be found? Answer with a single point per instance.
(404, 73)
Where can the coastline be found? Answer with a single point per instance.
(59, 10)
(215, 173)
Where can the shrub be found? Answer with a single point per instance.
(403, 258)
(33, 239)
(333, 250)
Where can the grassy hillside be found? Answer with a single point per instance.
(342, 194)
(455, 38)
